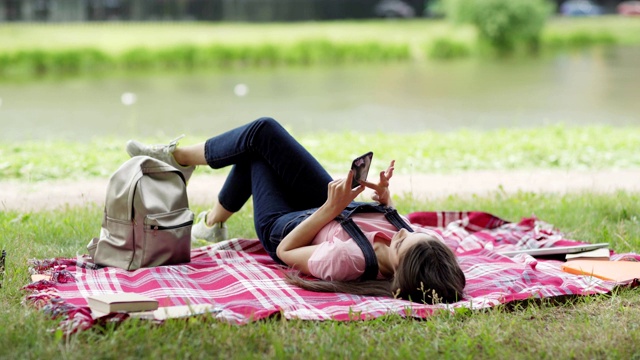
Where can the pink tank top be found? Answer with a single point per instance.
(337, 256)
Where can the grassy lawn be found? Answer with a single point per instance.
(551, 147)
(603, 326)
(585, 327)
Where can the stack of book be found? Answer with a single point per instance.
(597, 263)
(597, 254)
(144, 307)
(121, 302)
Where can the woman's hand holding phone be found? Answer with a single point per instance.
(340, 193)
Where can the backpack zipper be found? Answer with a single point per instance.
(160, 227)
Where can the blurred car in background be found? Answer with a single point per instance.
(580, 8)
(394, 9)
(629, 8)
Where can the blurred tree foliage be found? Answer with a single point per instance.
(503, 24)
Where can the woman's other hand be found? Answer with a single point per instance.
(381, 189)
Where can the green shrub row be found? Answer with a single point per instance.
(28, 63)
(309, 52)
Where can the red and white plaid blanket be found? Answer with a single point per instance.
(238, 277)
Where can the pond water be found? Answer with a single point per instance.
(597, 86)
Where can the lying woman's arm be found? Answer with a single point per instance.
(295, 249)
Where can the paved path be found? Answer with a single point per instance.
(34, 196)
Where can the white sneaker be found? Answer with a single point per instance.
(215, 233)
(160, 152)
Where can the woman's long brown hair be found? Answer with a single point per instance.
(427, 273)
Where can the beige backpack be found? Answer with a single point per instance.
(147, 221)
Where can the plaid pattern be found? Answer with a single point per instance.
(241, 279)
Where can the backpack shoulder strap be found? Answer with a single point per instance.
(394, 218)
(370, 259)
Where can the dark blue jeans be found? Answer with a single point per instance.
(286, 181)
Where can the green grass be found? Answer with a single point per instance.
(30, 50)
(551, 147)
(584, 327)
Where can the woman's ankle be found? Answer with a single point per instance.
(217, 215)
(190, 155)
(210, 220)
(206, 220)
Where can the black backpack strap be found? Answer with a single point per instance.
(394, 218)
(370, 259)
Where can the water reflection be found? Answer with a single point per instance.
(591, 87)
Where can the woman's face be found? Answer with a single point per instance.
(402, 241)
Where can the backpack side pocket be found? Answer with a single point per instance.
(167, 238)
(115, 247)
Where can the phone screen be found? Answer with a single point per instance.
(360, 167)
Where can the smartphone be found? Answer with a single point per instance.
(360, 167)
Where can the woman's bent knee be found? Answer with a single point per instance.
(268, 123)
(267, 127)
